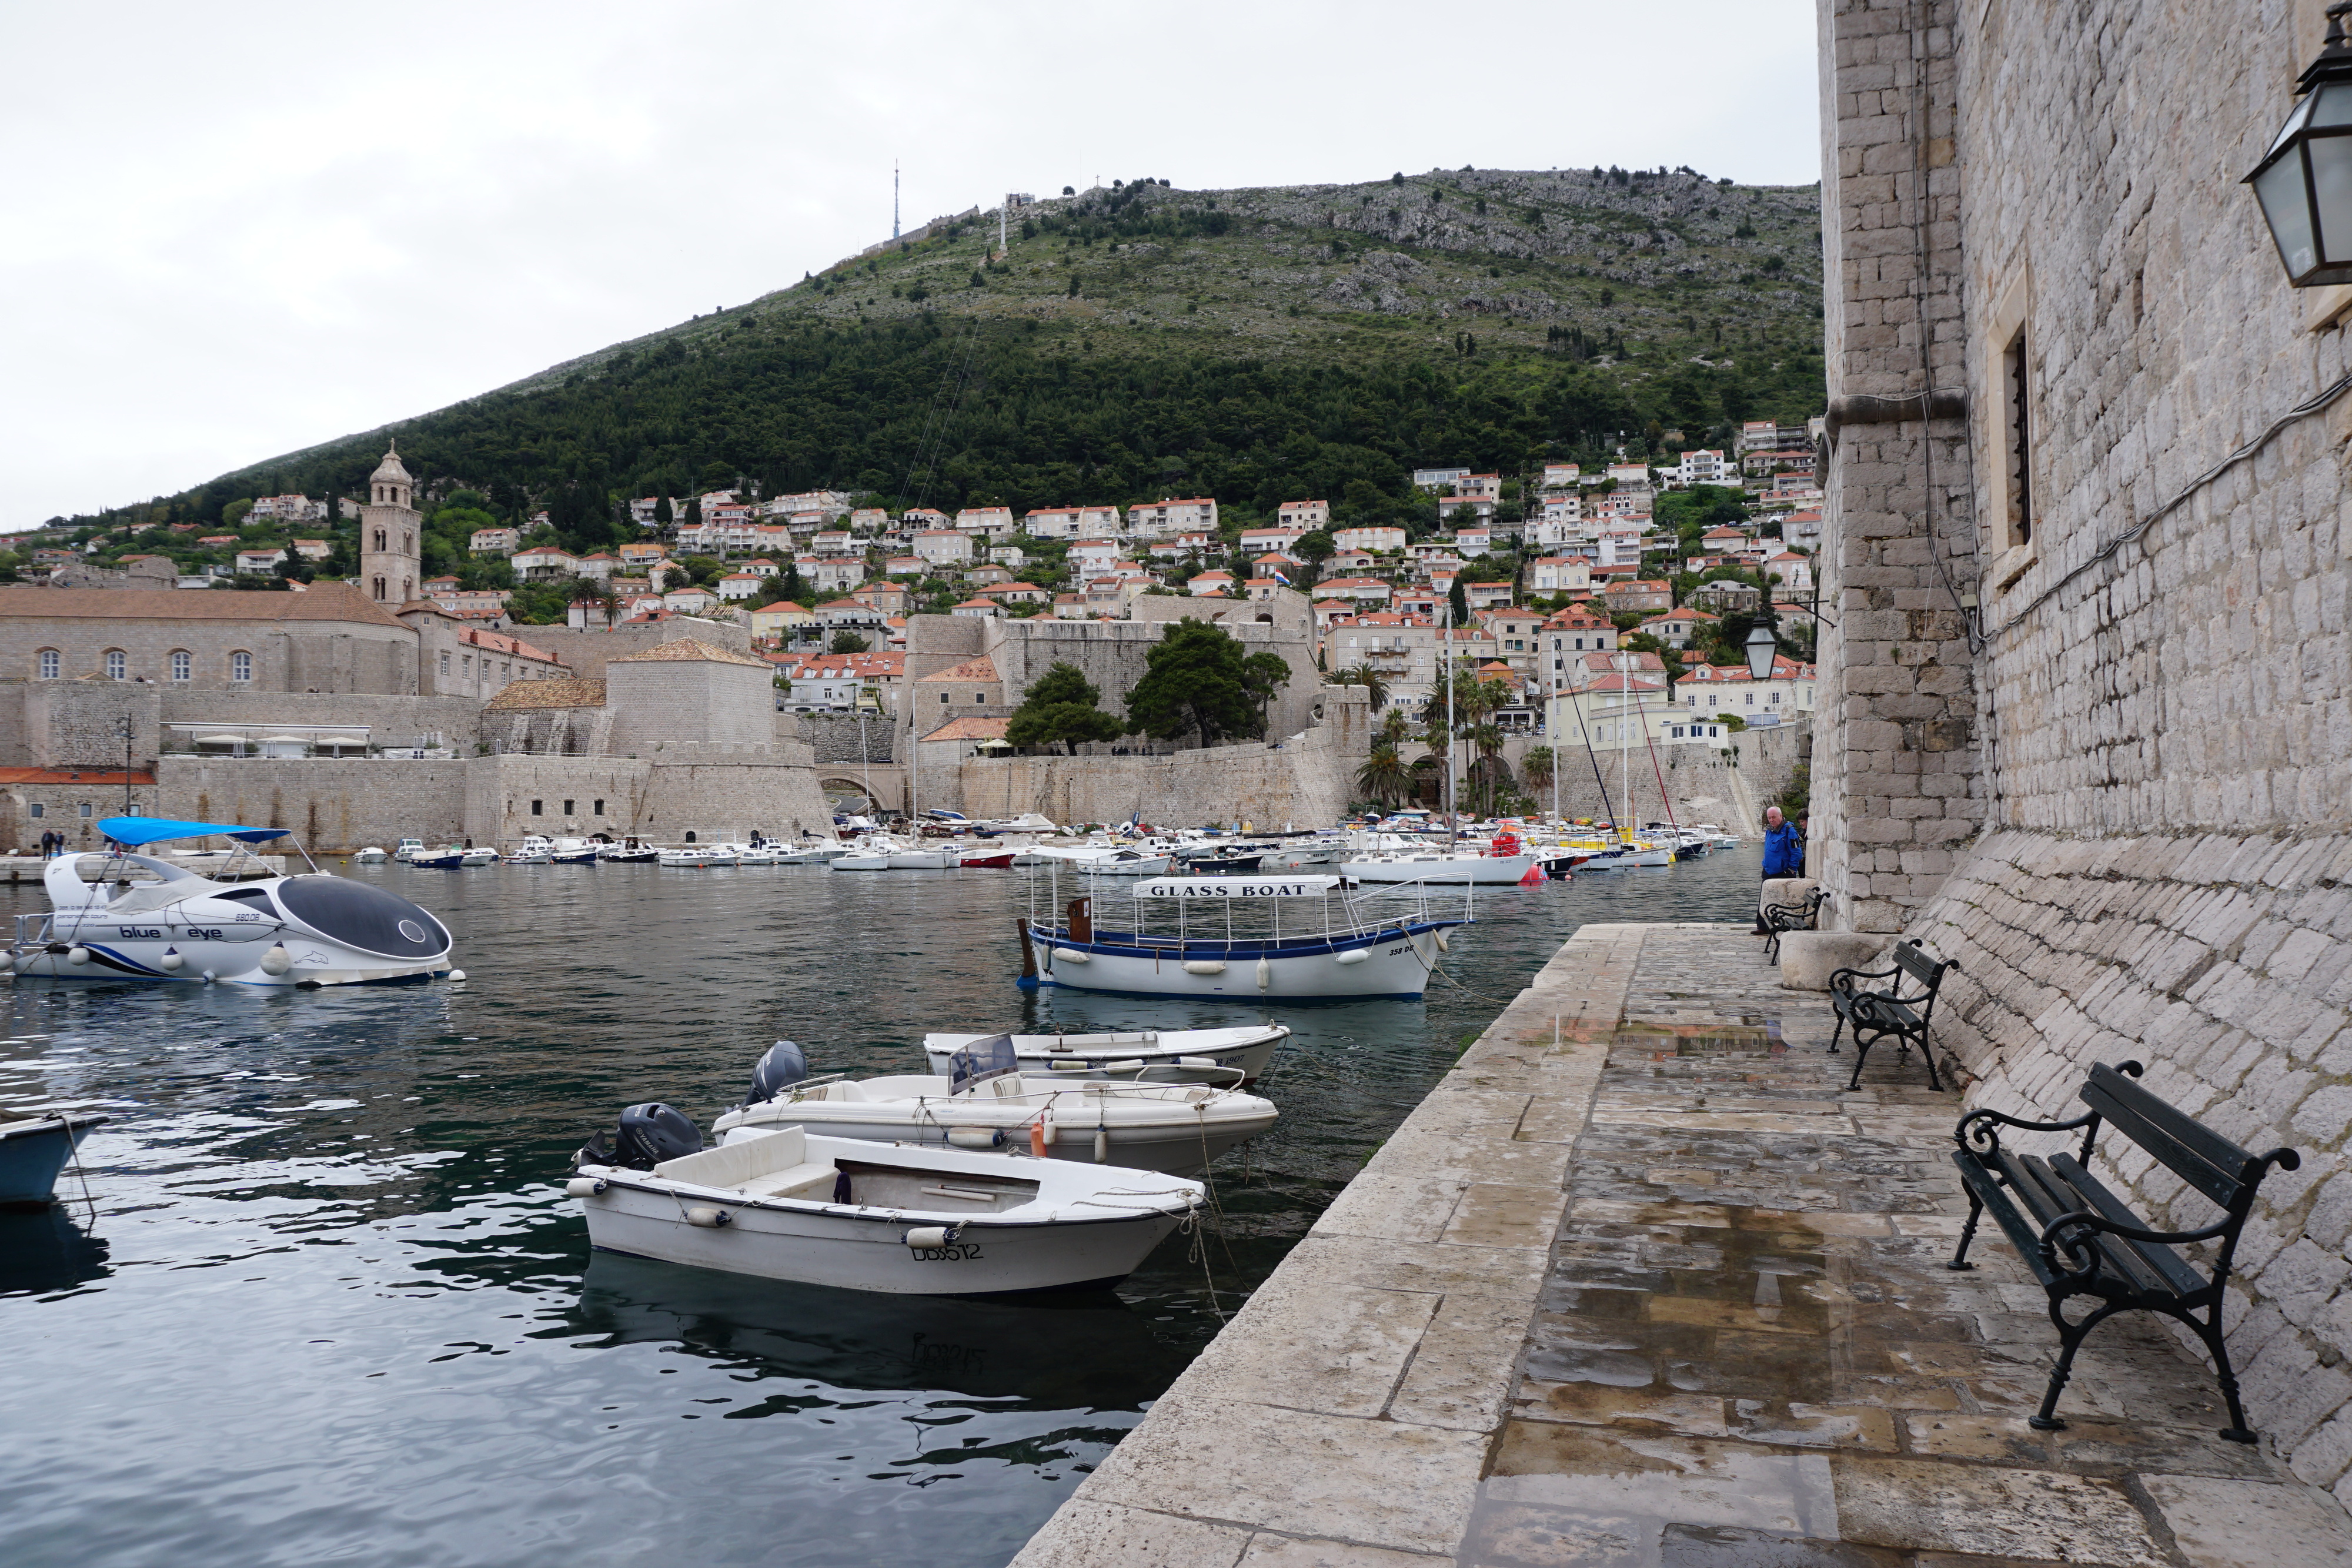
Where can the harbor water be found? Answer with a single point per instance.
(333, 1305)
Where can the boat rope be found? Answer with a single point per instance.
(73, 1152)
(1209, 1180)
(1198, 1252)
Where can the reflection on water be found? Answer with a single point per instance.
(333, 1306)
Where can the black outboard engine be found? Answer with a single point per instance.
(652, 1133)
(784, 1065)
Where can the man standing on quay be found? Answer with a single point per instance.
(1784, 855)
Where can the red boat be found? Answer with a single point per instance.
(997, 861)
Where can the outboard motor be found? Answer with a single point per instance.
(783, 1066)
(652, 1133)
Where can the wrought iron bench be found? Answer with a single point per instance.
(2080, 1239)
(1876, 1015)
(1782, 919)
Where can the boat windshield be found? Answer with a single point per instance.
(981, 1060)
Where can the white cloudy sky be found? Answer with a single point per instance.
(236, 230)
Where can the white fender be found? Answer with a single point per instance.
(1204, 966)
(708, 1218)
(582, 1187)
(927, 1237)
(1102, 1145)
(77, 955)
(1352, 956)
(1070, 956)
(278, 960)
(1265, 973)
(171, 958)
(1442, 944)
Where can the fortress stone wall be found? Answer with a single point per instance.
(2106, 762)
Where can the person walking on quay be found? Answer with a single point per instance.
(1784, 855)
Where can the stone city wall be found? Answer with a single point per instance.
(1705, 785)
(846, 737)
(332, 806)
(585, 651)
(2160, 740)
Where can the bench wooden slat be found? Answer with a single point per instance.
(2196, 1154)
(2023, 1235)
(2157, 1255)
(2116, 1256)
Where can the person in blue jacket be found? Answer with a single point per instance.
(1784, 855)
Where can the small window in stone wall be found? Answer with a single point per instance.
(240, 665)
(534, 809)
(599, 810)
(2016, 368)
(567, 808)
(117, 665)
(85, 807)
(51, 665)
(943, 699)
(183, 665)
(37, 809)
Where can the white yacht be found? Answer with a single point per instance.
(304, 930)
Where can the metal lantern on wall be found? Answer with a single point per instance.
(2305, 181)
(1761, 648)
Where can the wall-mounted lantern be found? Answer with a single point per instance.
(2305, 181)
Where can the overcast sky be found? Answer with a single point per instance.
(238, 230)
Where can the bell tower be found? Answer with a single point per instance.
(389, 523)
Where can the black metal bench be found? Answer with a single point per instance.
(2080, 1239)
(1876, 1015)
(1781, 919)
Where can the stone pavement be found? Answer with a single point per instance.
(1640, 1284)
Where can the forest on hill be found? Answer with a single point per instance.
(1143, 342)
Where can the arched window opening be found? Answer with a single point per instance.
(183, 666)
(240, 666)
(117, 665)
(51, 664)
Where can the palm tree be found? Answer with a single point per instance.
(1375, 684)
(1384, 778)
(1488, 741)
(1536, 768)
(1394, 731)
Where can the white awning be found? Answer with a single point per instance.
(1172, 888)
(220, 740)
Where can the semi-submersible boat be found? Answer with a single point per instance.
(305, 930)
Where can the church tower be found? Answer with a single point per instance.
(388, 526)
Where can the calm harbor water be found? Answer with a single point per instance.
(333, 1306)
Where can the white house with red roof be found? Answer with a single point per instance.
(1304, 516)
(988, 522)
(1209, 584)
(1560, 574)
(940, 547)
(1369, 590)
(1169, 516)
(1369, 537)
(1258, 541)
(1091, 554)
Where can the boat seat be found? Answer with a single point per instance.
(810, 1179)
(1008, 1087)
(840, 1091)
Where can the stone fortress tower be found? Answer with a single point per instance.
(388, 526)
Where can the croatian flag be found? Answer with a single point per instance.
(1282, 580)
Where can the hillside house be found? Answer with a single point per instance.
(495, 541)
(1677, 628)
(1167, 517)
(1560, 574)
(1258, 541)
(545, 563)
(1304, 516)
(1365, 591)
(988, 522)
(1370, 536)
(1088, 555)
(1435, 480)
(1638, 594)
(942, 547)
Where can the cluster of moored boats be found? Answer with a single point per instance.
(1017, 1164)
(1013, 1163)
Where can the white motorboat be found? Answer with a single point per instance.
(985, 1103)
(875, 851)
(821, 852)
(1299, 938)
(449, 857)
(408, 849)
(1128, 863)
(483, 856)
(370, 855)
(1027, 822)
(927, 860)
(304, 930)
(751, 854)
(629, 851)
(1211, 1056)
(1313, 854)
(1717, 836)
(33, 1149)
(869, 1217)
(692, 856)
(1439, 866)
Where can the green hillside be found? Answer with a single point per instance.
(1252, 345)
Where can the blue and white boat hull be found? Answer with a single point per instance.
(1393, 962)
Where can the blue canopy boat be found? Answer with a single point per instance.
(311, 929)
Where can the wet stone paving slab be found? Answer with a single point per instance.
(1748, 1352)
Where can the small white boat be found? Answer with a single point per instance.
(408, 849)
(691, 856)
(872, 852)
(1445, 866)
(629, 851)
(33, 1149)
(1027, 822)
(1176, 1128)
(821, 853)
(926, 860)
(484, 856)
(1128, 863)
(869, 1217)
(372, 856)
(449, 857)
(275, 931)
(1213, 1056)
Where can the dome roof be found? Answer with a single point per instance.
(389, 471)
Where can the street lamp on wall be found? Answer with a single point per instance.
(2305, 181)
(1761, 649)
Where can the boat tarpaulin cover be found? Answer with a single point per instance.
(1172, 888)
(137, 830)
(980, 1060)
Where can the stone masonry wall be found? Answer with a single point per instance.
(1896, 785)
(330, 805)
(2164, 692)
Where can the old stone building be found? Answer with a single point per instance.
(331, 638)
(2085, 722)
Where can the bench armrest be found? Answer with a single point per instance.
(1846, 975)
(2071, 1234)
